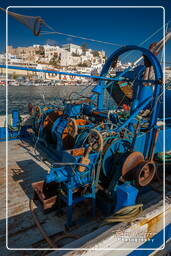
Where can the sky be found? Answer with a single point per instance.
(123, 26)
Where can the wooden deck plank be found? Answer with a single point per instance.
(23, 169)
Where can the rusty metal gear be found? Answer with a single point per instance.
(95, 139)
(38, 111)
(144, 173)
(131, 162)
(69, 133)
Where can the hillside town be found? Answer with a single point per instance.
(66, 58)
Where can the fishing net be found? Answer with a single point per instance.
(34, 23)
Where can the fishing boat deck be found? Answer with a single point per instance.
(24, 168)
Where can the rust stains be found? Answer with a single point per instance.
(152, 225)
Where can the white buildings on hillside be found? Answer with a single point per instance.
(73, 48)
(69, 55)
(69, 58)
(12, 59)
(2, 59)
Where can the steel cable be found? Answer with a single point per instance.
(78, 37)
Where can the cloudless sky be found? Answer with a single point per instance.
(123, 26)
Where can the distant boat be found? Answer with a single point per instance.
(2, 83)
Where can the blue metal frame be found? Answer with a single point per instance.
(150, 56)
(14, 130)
(56, 72)
(71, 178)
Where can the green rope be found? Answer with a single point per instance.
(164, 156)
(126, 214)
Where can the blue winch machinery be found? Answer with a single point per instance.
(13, 127)
(106, 154)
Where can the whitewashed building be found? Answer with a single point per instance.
(73, 48)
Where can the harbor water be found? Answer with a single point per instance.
(20, 96)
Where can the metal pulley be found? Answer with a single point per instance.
(69, 133)
(38, 111)
(71, 128)
(48, 122)
(95, 140)
(137, 169)
(51, 117)
(31, 109)
(144, 173)
(130, 163)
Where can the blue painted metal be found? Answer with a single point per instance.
(57, 72)
(11, 134)
(70, 178)
(155, 243)
(15, 118)
(38, 120)
(159, 147)
(72, 110)
(126, 195)
(14, 130)
(2, 133)
(142, 96)
(112, 127)
(98, 89)
(60, 124)
(14, 135)
(135, 113)
(152, 59)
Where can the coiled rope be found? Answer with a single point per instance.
(126, 214)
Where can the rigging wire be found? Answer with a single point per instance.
(149, 37)
(100, 41)
(84, 38)
(76, 36)
(39, 21)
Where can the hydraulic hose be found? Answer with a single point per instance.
(43, 232)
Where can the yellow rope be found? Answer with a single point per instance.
(125, 214)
